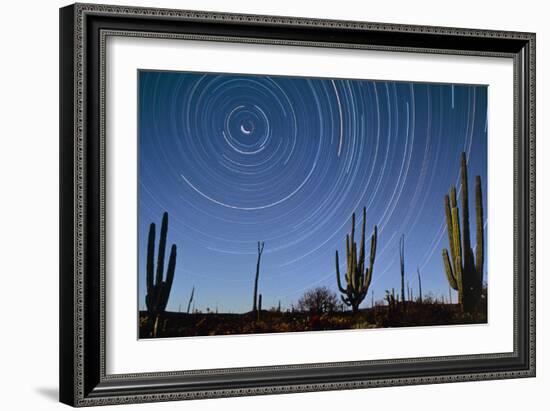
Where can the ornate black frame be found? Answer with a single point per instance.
(83, 30)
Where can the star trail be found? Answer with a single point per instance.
(235, 159)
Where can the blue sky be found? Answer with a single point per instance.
(235, 159)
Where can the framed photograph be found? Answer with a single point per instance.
(260, 204)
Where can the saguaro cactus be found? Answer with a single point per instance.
(358, 276)
(260, 251)
(158, 290)
(402, 265)
(464, 274)
(190, 300)
(419, 285)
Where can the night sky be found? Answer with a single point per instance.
(235, 159)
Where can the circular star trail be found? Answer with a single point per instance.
(236, 159)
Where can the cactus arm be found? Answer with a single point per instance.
(373, 243)
(348, 248)
(449, 221)
(355, 268)
(466, 246)
(458, 250)
(453, 197)
(368, 273)
(150, 258)
(352, 267)
(342, 289)
(449, 269)
(171, 267)
(362, 246)
(162, 247)
(348, 259)
(166, 286)
(455, 245)
(350, 275)
(479, 229)
(367, 280)
(352, 229)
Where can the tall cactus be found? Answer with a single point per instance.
(158, 290)
(358, 276)
(260, 251)
(463, 273)
(402, 265)
(190, 300)
(419, 285)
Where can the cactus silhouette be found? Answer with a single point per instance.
(190, 300)
(419, 285)
(464, 274)
(402, 265)
(158, 289)
(260, 251)
(358, 276)
(393, 303)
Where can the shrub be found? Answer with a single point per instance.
(318, 300)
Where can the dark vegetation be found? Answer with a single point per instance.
(431, 313)
(320, 309)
